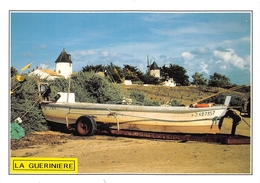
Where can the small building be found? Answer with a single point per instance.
(154, 70)
(169, 82)
(127, 82)
(63, 68)
(63, 64)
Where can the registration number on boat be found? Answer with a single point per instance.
(205, 113)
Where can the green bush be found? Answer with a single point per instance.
(148, 102)
(139, 97)
(24, 104)
(175, 103)
(245, 89)
(88, 87)
(93, 87)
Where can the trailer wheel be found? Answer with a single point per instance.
(86, 126)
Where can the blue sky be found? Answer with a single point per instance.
(206, 42)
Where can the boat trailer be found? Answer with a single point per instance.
(230, 139)
(182, 137)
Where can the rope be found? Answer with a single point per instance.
(29, 109)
(117, 121)
(15, 88)
(231, 89)
(246, 122)
(114, 82)
(36, 101)
(241, 117)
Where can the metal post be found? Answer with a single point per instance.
(68, 91)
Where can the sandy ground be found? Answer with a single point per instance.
(102, 154)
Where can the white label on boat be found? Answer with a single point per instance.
(204, 113)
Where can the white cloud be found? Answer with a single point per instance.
(161, 17)
(43, 46)
(187, 56)
(82, 56)
(105, 53)
(43, 66)
(238, 61)
(230, 57)
(202, 50)
(27, 54)
(223, 67)
(85, 52)
(241, 40)
(226, 56)
(204, 67)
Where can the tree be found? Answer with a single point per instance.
(13, 71)
(97, 68)
(116, 72)
(176, 72)
(198, 79)
(132, 73)
(112, 70)
(218, 80)
(150, 79)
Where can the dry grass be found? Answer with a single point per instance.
(185, 95)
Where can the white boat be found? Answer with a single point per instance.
(89, 116)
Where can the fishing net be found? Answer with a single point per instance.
(17, 131)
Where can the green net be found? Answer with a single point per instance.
(17, 131)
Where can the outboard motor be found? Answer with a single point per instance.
(45, 91)
(56, 98)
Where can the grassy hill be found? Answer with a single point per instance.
(185, 95)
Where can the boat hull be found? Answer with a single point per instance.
(139, 118)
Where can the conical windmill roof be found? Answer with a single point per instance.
(64, 57)
(154, 66)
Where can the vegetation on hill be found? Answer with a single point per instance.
(88, 87)
(179, 95)
(174, 71)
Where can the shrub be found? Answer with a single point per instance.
(140, 97)
(137, 96)
(92, 87)
(175, 103)
(148, 102)
(88, 87)
(24, 105)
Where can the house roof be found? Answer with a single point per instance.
(45, 74)
(50, 72)
(154, 66)
(64, 57)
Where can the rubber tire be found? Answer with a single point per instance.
(86, 126)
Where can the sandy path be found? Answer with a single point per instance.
(106, 154)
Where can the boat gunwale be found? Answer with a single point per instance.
(116, 107)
